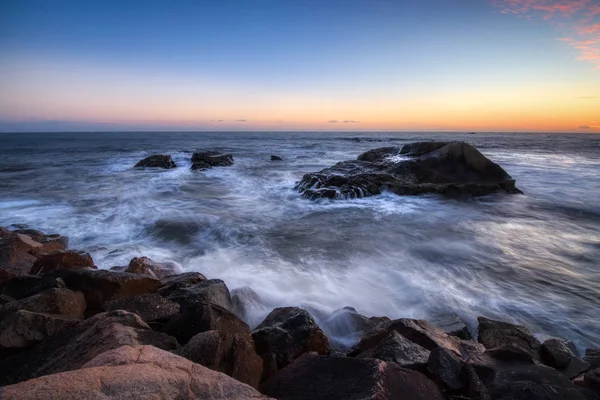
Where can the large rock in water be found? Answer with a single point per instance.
(157, 161)
(209, 159)
(494, 333)
(447, 168)
(134, 372)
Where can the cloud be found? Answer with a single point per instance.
(332, 121)
(585, 127)
(349, 121)
(217, 120)
(578, 19)
(585, 97)
(241, 120)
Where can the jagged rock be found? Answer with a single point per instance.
(157, 161)
(230, 353)
(556, 354)
(447, 168)
(18, 252)
(5, 276)
(592, 380)
(51, 301)
(244, 298)
(25, 328)
(470, 348)
(5, 299)
(289, 332)
(200, 165)
(145, 266)
(476, 390)
(172, 283)
(200, 160)
(212, 291)
(345, 326)
(276, 158)
(396, 348)
(202, 317)
(453, 325)
(71, 349)
(134, 372)
(511, 353)
(314, 377)
(494, 333)
(592, 356)
(446, 368)
(62, 259)
(20, 287)
(149, 306)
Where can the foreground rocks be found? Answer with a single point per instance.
(157, 161)
(208, 159)
(446, 168)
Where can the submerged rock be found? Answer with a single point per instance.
(157, 161)
(276, 158)
(209, 159)
(447, 168)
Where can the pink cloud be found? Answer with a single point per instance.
(577, 19)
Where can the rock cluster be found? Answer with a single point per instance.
(68, 330)
(200, 160)
(157, 161)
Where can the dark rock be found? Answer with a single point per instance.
(24, 286)
(149, 306)
(556, 354)
(338, 378)
(396, 348)
(269, 366)
(62, 259)
(71, 349)
(591, 380)
(494, 333)
(447, 168)
(230, 353)
(5, 275)
(288, 332)
(212, 291)
(446, 368)
(346, 326)
(244, 298)
(51, 301)
(145, 266)
(470, 348)
(175, 282)
(476, 390)
(25, 328)
(18, 252)
(511, 353)
(453, 325)
(211, 158)
(5, 299)
(202, 317)
(134, 372)
(592, 356)
(200, 165)
(157, 161)
(276, 158)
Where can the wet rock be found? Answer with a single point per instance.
(470, 348)
(476, 390)
(345, 326)
(591, 380)
(5, 276)
(338, 378)
(157, 161)
(172, 283)
(269, 366)
(200, 165)
(202, 317)
(447, 168)
(213, 291)
(446, 368)
(396, 348)
(18, 252)
(51, 301)
(243, 299)
(134, 372)
(592, 356)
(62, 259)
(20, 287)
(5, 299)
(494, 333)
(288, 332)
(71, 349)
(230, 353)
(211, 158)
(453, 325)
(276, 158)
(556, 354)
(25, 328)
(149, 306)
(145, 266)
(511, 353)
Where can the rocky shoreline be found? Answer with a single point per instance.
(146, 330)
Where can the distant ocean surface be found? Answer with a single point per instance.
(532, 259)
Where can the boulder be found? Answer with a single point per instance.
(200, 165)
(243, 299)
(72, 348)
(172, 283)
(556, 354)
(211, 158)
(417, 331)
(145, 266)
(25, 328)
(5, 275)
(62, 259)
(592, 356)
(314, 377)
(289, 332)
(494, 333)
(397, 349)
(453, 325)
(230, 353)
(157, 161)
(202, 317)
(511, 353)
(470, 348)
(446, 368)
(212, 291)
(446, 168)
(476, 390)
(51, 301)
(20, 287)
(149, 306)
(18, 252)
(133, 372)
(591, 380)
(345, 326)
(276, 158)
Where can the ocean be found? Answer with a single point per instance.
(532, 259)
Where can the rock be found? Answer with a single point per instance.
(556, 354)
(20, 287)
(62, 259)
(592, 356)
(102, 286)
(18, 252)
(52, 242)
(202, 317)
(339, 378)
(511, 353)
(5, 276)
(200, 165)
(211, 158)
(288, 332)
(396, 348)
(447, 168)
(71, 349)
(476, 390)
(51, 301)
(470, 348)
(133, 372)
(157, 161)
(453, 325)
(494, 333)
(345, 326)
(417, 331)
(243, 299)
(276, 158)
(212, 291)
(230, 353)
(25, 328)
(5, 299)
(145, 266)
(269, 366)
(172, 283)
(446, 368)
(149, 306)
(592, 380)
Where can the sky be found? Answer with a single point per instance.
(385, 65)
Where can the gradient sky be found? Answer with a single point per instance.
(481, 65)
